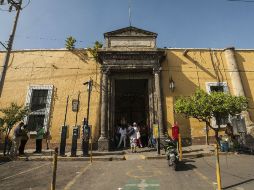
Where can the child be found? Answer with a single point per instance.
(133, 137)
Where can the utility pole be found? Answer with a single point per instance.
(17, 6)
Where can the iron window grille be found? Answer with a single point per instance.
(39, 98)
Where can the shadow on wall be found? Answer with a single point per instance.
(246, 83)
(82, 54)
(172, 67)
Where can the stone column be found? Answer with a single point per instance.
(103, 142)
(158, 100)
(236, 80)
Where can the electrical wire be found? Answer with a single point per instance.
(245, 1)
(46, 38)
(29, 1)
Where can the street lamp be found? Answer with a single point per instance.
(89, 89)
(85, 129)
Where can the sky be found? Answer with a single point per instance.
(179, 23)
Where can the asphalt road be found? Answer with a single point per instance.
(237, 173)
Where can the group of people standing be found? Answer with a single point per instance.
(133, 133)
(20, 137)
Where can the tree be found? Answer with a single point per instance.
(70, 43)
(204, 106)
(11, 116)
(94, 50)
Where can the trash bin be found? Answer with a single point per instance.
(224, 146)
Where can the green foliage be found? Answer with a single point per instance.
(204, 106)
(94, 50)
(70, 43)
(12, 115)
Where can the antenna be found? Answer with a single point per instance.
(130, 12)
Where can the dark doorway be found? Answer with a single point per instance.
(131, 101)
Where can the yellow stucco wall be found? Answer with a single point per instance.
(193, 71)
(67, 71)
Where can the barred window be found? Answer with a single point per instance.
(39, 100)
(218, 87)
(35, 122)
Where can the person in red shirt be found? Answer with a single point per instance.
(175, 133)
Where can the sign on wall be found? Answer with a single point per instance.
(75, 105)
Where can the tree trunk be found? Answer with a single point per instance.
(5, 144)
(6, 141)
(207, 133)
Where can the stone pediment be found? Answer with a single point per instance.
(130, 37)
(130, 31)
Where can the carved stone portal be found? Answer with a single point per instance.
(130, 53)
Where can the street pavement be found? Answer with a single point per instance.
(133, 174)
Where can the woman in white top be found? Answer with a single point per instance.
(122, 132)
(139, 137)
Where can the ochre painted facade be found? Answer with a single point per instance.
(68, 70)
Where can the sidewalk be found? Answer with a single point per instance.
(194, 151)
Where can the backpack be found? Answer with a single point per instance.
(131, 132)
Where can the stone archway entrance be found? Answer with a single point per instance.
(131, 101)
(130, 56)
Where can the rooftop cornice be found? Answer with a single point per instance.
(129, 29)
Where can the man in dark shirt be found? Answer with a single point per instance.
(16, 139)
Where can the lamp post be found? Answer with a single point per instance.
(86, 130)
(89, 88)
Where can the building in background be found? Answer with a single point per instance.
(132, 82)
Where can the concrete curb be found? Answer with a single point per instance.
(49, 158)
(191, 156)
(115, 157)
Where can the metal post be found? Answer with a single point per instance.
(66, 110)
(76, 118)
(218, 167)
(90, 83)
(53, 183)
(91, 145)
(180, 147)
(9, 46)
(64, 131)
(158, 145)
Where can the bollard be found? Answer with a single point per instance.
(180, 148)
(53, 183)
(218, 167)
(91, 152)
(63, 140)
(74, 141)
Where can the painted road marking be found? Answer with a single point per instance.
(202, 176)
(141, 173)
(73, 181)
(239, 188)
(142, 185)
(135, 157)
(26, 171)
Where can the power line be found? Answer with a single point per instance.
(29, 1)
(245, 1)
(46, 38)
